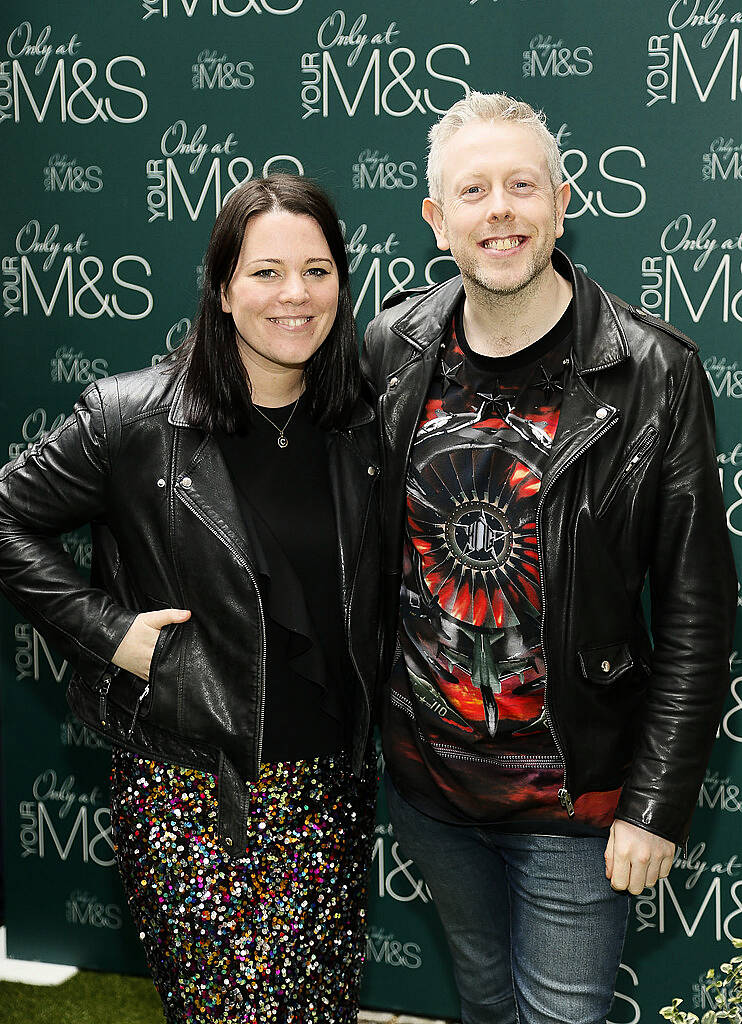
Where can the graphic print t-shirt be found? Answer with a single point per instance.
(467, 737)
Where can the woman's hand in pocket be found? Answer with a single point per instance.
(134, 653)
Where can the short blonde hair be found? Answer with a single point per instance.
(494, 107)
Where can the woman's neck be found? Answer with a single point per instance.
(271, 384)
(275, 394)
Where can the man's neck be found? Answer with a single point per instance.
(499, 325)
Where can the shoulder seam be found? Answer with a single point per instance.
(146, 415)
(662, 325)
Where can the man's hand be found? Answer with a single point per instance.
(635, 858)
(134, 653)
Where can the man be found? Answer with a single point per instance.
(546, 446)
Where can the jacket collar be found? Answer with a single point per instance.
(178, 414)
(599, 338)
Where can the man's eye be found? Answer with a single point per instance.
(523, 184)
(473, 189)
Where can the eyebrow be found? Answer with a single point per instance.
(522, 169)
(312, 259)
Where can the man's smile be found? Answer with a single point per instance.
(504, 244)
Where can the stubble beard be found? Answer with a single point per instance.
(472, 272)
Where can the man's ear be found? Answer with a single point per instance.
(226, 307)
(433, 214)
(561, 201)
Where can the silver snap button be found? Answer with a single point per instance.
(186, 481)
(393, 382)
(605, 666)
(565, 361)
(372, 470)
(601, 413)
(161, 482)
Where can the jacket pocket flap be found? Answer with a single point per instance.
(605, 664)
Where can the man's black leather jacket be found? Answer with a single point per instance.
(167, 532)
(632, 488)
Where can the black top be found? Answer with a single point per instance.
(286, 502)
(525, 357)
(467, 741)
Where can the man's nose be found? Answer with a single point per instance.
(499, 205)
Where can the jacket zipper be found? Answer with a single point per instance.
(140, 698)
(143, 695)
(641, 448)
(248, 569)
(563, 795)
(103, 689)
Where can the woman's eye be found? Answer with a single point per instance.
(318, 272)
(266, 272)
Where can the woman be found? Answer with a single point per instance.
(227, 642)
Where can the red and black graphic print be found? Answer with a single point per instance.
(468, 736)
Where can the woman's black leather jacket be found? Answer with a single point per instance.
(167, 532)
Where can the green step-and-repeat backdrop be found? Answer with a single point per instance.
(125, 125)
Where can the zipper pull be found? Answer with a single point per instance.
(140, 698)
(566, 801)
(103, 689)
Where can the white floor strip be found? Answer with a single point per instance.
(31, 972)
(377, 1017)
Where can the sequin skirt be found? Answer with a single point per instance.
(276, 935)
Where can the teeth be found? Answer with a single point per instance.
(502, 243)
(291, 321)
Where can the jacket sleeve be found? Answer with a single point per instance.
(693, 598)
(58, 485)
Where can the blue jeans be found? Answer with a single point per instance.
(534, 928)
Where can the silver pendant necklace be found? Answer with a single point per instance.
(282, 441)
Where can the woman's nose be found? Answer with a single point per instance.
(294, 289)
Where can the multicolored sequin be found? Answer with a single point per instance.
(277, 935)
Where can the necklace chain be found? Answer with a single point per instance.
(282, 440)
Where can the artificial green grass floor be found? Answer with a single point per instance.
(87, 998)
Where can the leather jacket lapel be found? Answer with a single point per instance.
(203, 484)
(583, 419)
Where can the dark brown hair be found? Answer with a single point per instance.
(217, 387)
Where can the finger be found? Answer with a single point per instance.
(653, 872)
(661, 863)
(666, 866)
(609, 856)
(164, 616)
(621, 873)
(638, 877)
